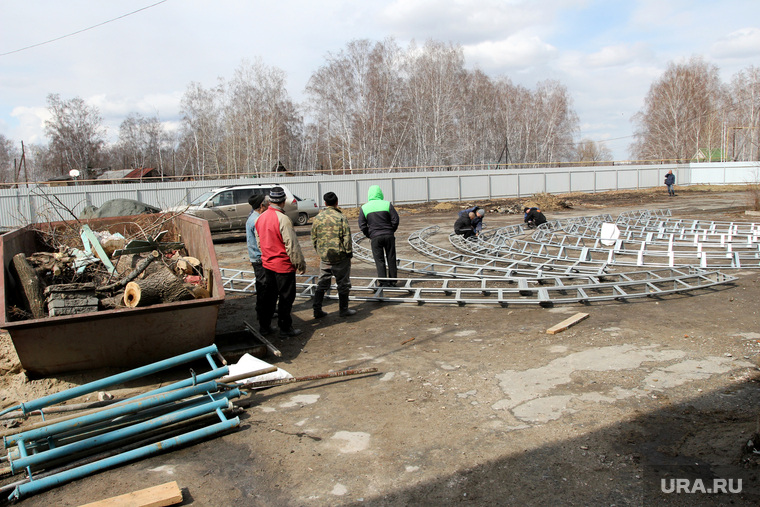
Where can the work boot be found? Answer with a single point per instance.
(319, 296)
(345, 311)
(288, 333)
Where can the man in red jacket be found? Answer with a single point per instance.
(281, 257)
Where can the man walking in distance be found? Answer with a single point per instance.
(670, 182)
(259, 205)
(378, 221)
(282, 257)
(331, 237)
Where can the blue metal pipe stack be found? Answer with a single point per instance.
(197, 397)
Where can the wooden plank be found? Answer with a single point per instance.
(567, 323)
(157, 496)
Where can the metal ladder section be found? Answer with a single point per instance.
(650, 251)
(519, 261)
(521, 278)
(450, 270)
(500, 292)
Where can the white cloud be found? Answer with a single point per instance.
(738, 44)
(466, 21)
(31, 127)
(618, 55)
(516, 52)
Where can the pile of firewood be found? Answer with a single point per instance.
(56, 283)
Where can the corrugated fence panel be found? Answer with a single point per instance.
(20, 206)
(504, 185)
(627, 179)
(607, 180)
(532, 183)
(409, 190)
(582, 181)
(475, 186)
(558, 182)
(443, 188)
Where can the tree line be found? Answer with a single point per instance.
(377, 106)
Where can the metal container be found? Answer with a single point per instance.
(123, 337)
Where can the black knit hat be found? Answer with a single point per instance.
(277, 194)
(255, 200)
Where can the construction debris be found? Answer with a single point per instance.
(157, 496)
(571, 321)
(71, 281)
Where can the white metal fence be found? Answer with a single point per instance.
(20, 206)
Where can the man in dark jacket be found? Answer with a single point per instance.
(331, 237)
(534, 217)
(378, 221)
(670, 181)
(463, 225)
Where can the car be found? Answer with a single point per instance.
(227, 208)
(307, 208)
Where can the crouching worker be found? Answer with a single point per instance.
(534, 217)
(463, 225)
(331, 237)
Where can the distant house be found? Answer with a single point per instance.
(60, 181)
(705, 155)
(128, 175)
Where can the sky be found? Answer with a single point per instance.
(139, 56)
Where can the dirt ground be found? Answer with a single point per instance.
(478, 404)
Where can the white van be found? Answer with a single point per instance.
(227, 208)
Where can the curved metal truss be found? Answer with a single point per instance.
(646, 238)
(492, 271)
(462, 291)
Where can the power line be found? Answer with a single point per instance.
(82, 30)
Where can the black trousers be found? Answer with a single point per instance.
(282, 286)
(261, 289)
(467, 232)
(384, 250)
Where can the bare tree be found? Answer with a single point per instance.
(743, 126)
(75, 134)
(9, 157)
(434, 79)
(143, 142)
(202, 129)
(682, 113)
(592, 152)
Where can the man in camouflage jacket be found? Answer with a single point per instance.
(331, 237)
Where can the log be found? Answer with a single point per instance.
(31, 286)
(160, 287)
(109, 303)
(187, 265)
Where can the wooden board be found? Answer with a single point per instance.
(157, 496)
(567, 323)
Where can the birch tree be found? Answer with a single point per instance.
(75, 134)
(682, 113)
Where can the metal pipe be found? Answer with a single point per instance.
(119, 378)
(111, 412)
(77, 434)
(38, 485)
(129, 431)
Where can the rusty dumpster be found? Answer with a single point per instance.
(122, 337)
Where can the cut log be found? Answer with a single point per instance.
(31, 286)
(140, 268)
(160, 287)
(109, 303)
(187, 265)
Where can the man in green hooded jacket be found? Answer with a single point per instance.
(378, 221)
